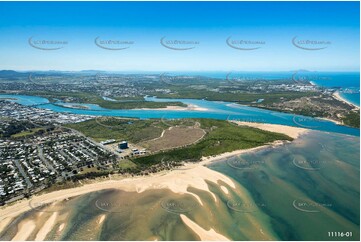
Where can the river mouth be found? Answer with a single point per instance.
(215, 110)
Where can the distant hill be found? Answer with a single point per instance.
(13, 75)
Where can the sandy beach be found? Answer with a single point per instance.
(178, 181)
(337, 96)
(331, 120)
(293, 132)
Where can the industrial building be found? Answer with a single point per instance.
(123, 145)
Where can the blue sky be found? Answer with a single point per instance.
(272, 25)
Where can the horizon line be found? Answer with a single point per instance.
(200, 71)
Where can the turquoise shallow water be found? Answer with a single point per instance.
(296, 191)
(308, 188)
(348, 82)
(216, 110)
(353, 98)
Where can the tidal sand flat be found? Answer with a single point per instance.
(309, 188)
(151, 212)
(292, 191)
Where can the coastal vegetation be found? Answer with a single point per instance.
(242, 98)
(91, 98)
(127, 91)
(28, 132)
(352, 119)
(220, 137)
(132, 130)
(15, 128)
(302, 103)
(322, 106)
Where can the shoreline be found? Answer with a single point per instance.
(293, 132)
(176, 180)
(338, 96)
(331, 120)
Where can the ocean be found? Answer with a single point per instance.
(297, 191)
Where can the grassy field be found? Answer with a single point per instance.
(27, 132)
(126, 164)
(174, 137)
(222, 136)
(104, 128)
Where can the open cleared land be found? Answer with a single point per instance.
(174, 137)
(220, 137)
